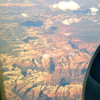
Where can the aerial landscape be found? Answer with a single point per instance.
(46, 46)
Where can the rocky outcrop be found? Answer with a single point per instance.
(35, 85)
(46, 77)
(46, 68)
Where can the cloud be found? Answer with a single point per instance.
(46, 56)
(94, 10)
(70, 21)
(24, 15)
(63, 5)
(67, 34)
